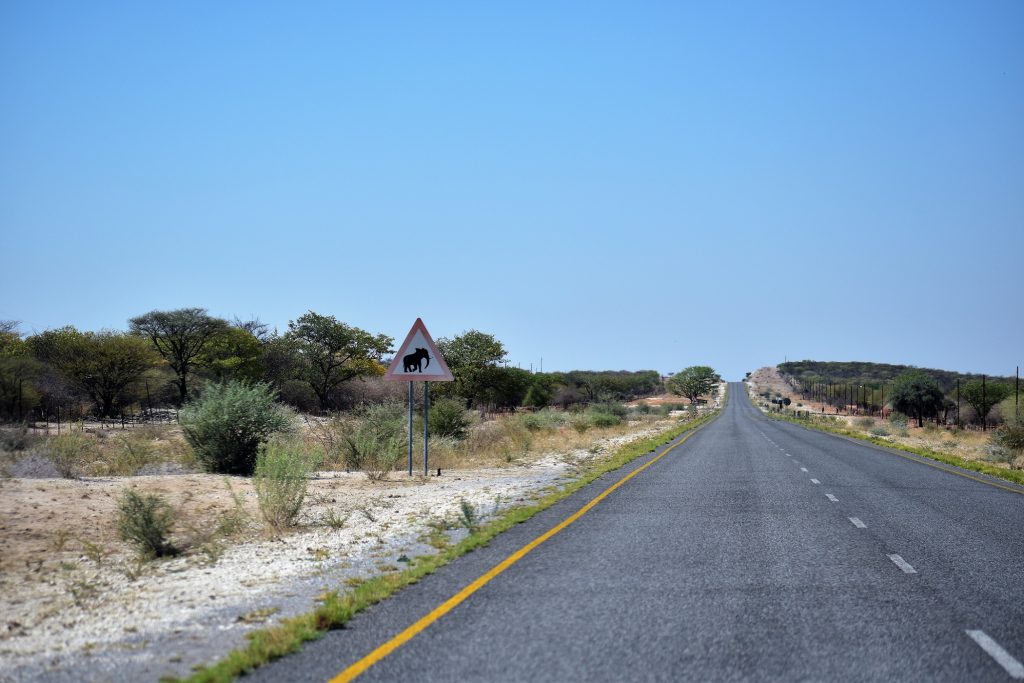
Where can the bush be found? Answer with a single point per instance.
(16, 438)
(146, 523)
(542, 420)
(604, 419)
(609, 408)
(280, 480)
(449, 418)
(879, 431)
(581, 422)
(865, 422)
(375, 438)
(68, 451)
(1010, 437)
(227, 424)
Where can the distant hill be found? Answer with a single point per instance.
(860, 372)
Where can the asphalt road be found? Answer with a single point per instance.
(757, 550)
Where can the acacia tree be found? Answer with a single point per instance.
(471, 356)
(693, 382)
(102, 365)
(982, 396)
(916, 394)
(333, 352)
(179, 336)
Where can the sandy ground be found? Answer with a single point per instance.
(77, 606)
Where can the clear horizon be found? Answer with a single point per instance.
(602, 186)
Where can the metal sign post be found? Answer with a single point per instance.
(426, 430)
(419, 359)
(410, 428)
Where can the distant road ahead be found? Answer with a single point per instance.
(757, 550)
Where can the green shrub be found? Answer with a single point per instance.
(609, 408)
(449, 418)
(865, 422)
(282, 474)
(581, 422)
(667, 408)
(227, 424)
(880, 431)
(542, 420)
(375, 437)
(898, 420)
(145, 522)
(642, 408)
(604, 419)
(68, 452)
(1009, 436)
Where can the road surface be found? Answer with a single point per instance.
(756, 550)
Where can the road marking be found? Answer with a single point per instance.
(902, 564)
(451, 603)
(857, 523)
(995, 650)
(831, 497)
(815, 481)
(803, 469)
(914, 458)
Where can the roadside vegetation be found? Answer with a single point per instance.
(337, 608)
(915, 417)
(159, 447)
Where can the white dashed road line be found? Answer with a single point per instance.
(803, 469)
(995, 650)
(831, 497)
(857, 523)
(902, 564)
(815, 481)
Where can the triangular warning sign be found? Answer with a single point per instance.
(418, 359)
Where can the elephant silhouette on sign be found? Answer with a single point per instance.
(414, 360)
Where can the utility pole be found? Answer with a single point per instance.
(984, 404)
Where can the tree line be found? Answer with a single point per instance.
(941, 395)
(318, 363)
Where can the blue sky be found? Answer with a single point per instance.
(604, 185)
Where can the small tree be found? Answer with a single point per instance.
(227, 424)
(179, 336)
(982, 396)
(693, 382)
(472, 356)
(334, 352)
(102, 365)
(916, 394)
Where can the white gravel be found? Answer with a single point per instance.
(186, 611)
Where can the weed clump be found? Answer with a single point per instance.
(145, 522)
(899, 423)
(374, 439)
(227, 424)
(879, 431)
(865, 422)
(68, 452)
(280, 480)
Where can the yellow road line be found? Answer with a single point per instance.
(448, 605)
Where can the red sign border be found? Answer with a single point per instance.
(392, 373)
